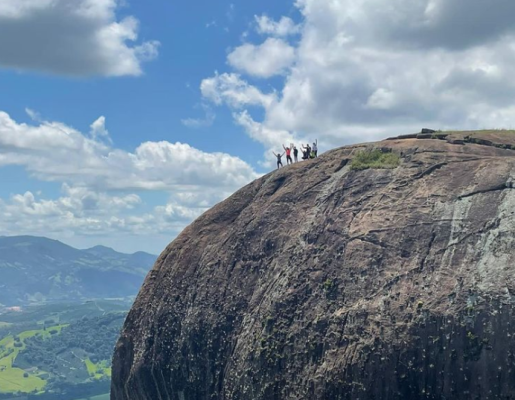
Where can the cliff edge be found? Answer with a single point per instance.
(318, 281)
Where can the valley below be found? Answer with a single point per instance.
(61, 311)
(59, 351)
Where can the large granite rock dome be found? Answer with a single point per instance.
(320, 282)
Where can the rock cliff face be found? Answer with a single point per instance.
(319, 282)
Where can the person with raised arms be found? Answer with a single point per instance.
(288, 154)
(279, 159)
(307, 152)
(295, 153)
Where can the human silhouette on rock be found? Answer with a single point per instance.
(287, 150)
(279, 159)
(306, 151)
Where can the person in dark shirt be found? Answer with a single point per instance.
(295, 153)
(307, 152)
(279, 159)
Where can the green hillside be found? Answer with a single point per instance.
(58, 352)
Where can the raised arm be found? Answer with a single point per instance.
(284, 147)
(283, 154)
(273, 152)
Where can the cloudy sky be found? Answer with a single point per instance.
(122, 120)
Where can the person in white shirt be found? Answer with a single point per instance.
(315, 148)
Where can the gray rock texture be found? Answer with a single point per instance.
(320, 282)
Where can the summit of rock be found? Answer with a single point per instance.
(321, 282)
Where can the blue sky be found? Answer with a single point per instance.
(151, 107)
(121, 121)
(194, 39)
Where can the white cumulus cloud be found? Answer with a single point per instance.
(43, 149)
(233, 90)
(365, 70)
(78, 38)
(98, 129)
(103, 187)
(284, 27)
(272, 57)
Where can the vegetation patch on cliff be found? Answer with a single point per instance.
(375, 159)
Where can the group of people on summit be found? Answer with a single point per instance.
(307, 153)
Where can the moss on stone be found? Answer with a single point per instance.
(374, 159)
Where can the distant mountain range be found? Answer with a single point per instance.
(37, 269)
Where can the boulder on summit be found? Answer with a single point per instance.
(319, 281)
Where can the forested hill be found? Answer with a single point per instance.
(36, 269)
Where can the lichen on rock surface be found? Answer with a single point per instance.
(322, 282)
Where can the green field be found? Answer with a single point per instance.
(99, 370)
(12, 379)
(101, 397)
(38, 356)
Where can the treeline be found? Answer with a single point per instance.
(97, 336)
(73, 392)
(11, 396)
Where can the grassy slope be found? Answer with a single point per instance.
(11, 379)
(375, 159)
